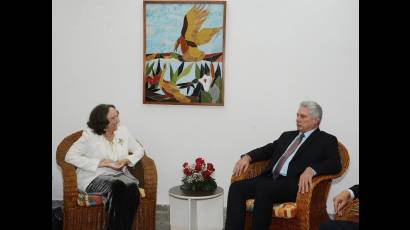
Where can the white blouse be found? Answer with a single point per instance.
(87, 152)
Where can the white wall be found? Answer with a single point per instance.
(278, 53)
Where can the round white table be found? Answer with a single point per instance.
(196, 210)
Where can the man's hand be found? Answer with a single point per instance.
(340, 201)
(241, 165)
(305, 180)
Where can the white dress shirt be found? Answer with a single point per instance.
(87, 152)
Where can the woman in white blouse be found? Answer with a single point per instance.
(101, 156)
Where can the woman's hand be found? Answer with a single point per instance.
(122, 163)
(104, 163)
(116, 165)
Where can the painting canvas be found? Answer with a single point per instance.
(184, 44)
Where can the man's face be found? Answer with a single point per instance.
(304, 121)
(113, 119)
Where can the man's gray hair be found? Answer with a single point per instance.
(314, 108)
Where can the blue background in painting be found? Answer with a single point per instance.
(164, 23)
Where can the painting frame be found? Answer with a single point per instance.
(184, 52)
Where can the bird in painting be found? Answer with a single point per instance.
(192, 35)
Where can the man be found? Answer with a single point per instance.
(339, 202)
(295, 158)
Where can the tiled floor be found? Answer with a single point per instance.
(161, 218)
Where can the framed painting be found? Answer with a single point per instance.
(184, 47)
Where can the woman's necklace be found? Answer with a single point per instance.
(109, 138)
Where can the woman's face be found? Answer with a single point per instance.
(113, 120)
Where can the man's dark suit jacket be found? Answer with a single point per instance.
(319, 151)
(355, 189)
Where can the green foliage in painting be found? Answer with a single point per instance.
(206, 97)
(185, 72)
(149, 69)
(197, 72)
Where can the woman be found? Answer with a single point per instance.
(101, 156)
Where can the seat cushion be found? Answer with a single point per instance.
(283, 210)
(89, 200)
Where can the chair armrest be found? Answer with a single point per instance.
(254, 169)
(70, 186)
(70, 190)
(146, 172)
(320, 189)
(315, 182)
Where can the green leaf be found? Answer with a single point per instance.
(174, 55)
(206, 97)
(174, 78)
(146, 68)
(185, 71)
(218, 82)
(197, 72)
(194, 187)
(150, 69)
(171, 73)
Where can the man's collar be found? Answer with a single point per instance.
(307, 133)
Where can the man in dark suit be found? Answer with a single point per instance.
(295, 158)
(339, 202)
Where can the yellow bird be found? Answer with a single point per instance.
(193, 36)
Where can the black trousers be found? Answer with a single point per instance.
(121, 199)
(339, 225)
(266, 192)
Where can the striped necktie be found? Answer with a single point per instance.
(286, 155)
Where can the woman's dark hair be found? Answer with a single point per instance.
(98, 118)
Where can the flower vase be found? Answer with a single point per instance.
(196, 189)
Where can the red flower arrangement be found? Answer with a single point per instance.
(198, 176)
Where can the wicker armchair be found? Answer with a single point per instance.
(93, 218)
(350, 212)
(311, 206)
